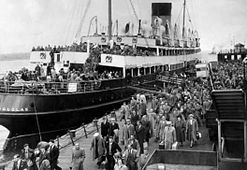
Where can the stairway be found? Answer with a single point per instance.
(231, 112)
(230, 104)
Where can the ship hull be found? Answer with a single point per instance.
(55, 114)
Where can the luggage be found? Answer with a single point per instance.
(175, 146)
(161, 145)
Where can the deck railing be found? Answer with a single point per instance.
(36, 87)
(172, 80)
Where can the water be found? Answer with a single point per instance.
(13, 65)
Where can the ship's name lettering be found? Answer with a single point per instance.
(7, 109)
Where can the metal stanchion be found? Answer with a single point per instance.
(58, 145)
(95, 121)
(72, 135)
(84, 128)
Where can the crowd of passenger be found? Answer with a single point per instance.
(51, 75)
(116, 49)
(44, 157)
(170, 118)
(228, 75)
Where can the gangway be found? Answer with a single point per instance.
(232, 124)
(182, 159)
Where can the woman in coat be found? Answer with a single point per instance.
(161, 128)
(98, 146)
(78, 156)
(180, 130)
(191, 129)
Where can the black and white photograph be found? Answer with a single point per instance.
(123, 84)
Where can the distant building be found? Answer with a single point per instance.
(239, 48)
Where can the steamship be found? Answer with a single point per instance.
(30, 111)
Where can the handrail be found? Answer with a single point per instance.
(41, 87)
(168, 79)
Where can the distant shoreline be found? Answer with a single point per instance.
(14, 56)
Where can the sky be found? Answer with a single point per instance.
(28, 23)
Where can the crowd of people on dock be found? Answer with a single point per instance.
(170, 118)
(228, 75)
(44, 157)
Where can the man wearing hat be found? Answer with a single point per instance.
(111, 149)
(19, 164)
(169, 135)
(53, 155)
(112, 127)
(104, 127)
(191, 129)
(28, 156)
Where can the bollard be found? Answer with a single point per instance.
(84, 128)
(95, 121)
(71, 135)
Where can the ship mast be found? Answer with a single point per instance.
(183, 31)
(109, 19)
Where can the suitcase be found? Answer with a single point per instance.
(161, 145)
(175, 146)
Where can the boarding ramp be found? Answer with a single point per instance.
(231, 121)
(181, 160)
(230, 104)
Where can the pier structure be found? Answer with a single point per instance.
(84, 136)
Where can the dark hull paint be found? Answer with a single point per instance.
(56, 113)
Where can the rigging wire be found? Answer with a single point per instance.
(36, 117)
(82, 20)
(133, 8)
(70, 21)
(190, 21)
(77, 17)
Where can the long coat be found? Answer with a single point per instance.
(98, 146)
(161, 129)
(170, 137)
(78, 157)
(104, 128)
(140, 134)
(130, 130)
(123, 132)
(131, 159)
(191, 129)
(180, 130)
(53, 155)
